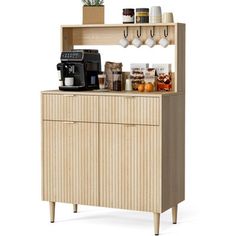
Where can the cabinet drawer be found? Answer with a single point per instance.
(70, 107)
(130, 110)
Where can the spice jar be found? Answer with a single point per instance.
(128, 16)
(142, 15)
(117, 80)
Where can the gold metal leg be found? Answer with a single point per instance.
(75, 208)
(52, 211)
(156, 222)
(174, 214)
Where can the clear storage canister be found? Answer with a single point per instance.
(117, 80)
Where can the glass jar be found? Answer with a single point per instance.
(142, 15)
(128, 16)
(117, 80)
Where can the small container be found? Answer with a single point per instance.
(117, 80)
(142, 15)
(128, 84)
(128, 16)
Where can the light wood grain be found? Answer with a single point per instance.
(154, 94)
(69, 107)
(180, 58)
(109, 35)
(174, 214)
(118, 25)
(130, 167)
(70, 154)
(52, 211)
(130, 110)
(156, 218)
(66, 39)
(173, 150)
(123, 150)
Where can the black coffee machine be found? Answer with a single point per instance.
(82, 65)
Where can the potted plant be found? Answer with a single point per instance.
(93, 12)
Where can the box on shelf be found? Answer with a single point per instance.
(93, 15)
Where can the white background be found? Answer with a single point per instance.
(29, 51)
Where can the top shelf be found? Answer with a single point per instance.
(110, 34)
(118, 25)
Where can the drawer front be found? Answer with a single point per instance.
(130, 110)
(70, 107)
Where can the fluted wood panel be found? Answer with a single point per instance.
(130, 110)
(70, 162)
(70, 107)
(130, 167)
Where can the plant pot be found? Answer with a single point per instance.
(93, 15)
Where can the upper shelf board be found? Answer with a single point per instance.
(118, 25)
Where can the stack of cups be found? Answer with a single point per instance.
(155, 15)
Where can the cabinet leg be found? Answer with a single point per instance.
(156, 222)
(174, 214)
(52, 211)
(75, 208)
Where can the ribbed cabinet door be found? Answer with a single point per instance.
(70, 162)
(130, 167)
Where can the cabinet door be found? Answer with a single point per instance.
(130, 167)
(70, 162)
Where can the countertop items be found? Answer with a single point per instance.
(145, 15)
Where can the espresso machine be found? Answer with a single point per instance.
(81, 66)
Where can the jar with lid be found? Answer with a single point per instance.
(128, 16)
(142, 15)
(117, 80)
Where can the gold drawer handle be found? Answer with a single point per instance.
(69, 122)
(130, 125)
(68, 95)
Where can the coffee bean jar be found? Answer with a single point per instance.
(142, 15)
(117, 80)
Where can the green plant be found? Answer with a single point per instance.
(93, 2)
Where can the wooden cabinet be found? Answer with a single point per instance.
(116, 149)
(130, 167)
(128, 154)
(70, 162)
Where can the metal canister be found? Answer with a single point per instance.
(142, 15)
(128, 16)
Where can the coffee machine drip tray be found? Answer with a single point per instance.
(74, 88)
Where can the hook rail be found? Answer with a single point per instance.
(166, 32)
(126, 32)
(139, 34)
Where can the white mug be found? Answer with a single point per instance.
(69, 81)
(155, 15)
(137, 42)
(124, 42)
(164, 42)
(167, 17)
(150, 42)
